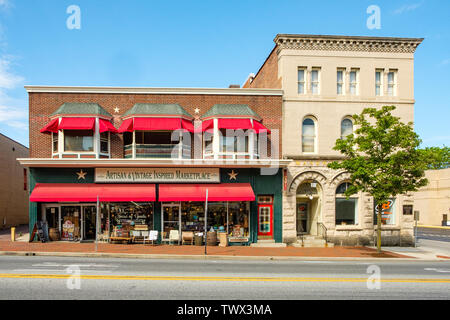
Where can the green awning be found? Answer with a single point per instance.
(76, 108)
(230, 110)
(156, 109)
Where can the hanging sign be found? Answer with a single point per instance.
(160, 175)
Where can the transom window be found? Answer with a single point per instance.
(79, 140)
(308, 135)
(233, 141)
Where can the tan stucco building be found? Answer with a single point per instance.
(433, 200)
(326, 80)
(13, 186)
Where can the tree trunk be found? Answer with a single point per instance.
(380, 208)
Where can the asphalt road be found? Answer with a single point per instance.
(154, 279)
(433, 234)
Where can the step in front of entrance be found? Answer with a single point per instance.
(268, 244)
(312, 243)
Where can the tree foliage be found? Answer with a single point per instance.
(437, 158)
(382, 156)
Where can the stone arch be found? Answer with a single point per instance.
(307, 175)
(339, 178)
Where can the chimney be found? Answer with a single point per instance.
(234, 86)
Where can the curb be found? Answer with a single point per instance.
(202, 257)
(434, 227)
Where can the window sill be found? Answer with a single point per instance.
(388, 228)
(348, 228)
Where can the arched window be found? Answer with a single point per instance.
(346, 209)
(346, 128)
(308, 135)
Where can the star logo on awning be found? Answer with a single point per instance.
(233, 175)
(116, 110)
(81, 175)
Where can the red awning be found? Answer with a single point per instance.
(197, 192)
(88, 192)
(258, 126)
(77, 124)
(126, 126)
(235, 124)
(106, 126)
(207, 124)
(156, 124)
(51, 127)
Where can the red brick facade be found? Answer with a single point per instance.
(42, 105)
(267, 76)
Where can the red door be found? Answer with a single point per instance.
(265, 220)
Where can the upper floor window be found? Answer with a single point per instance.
(354, 82)
(315, 81)
(340, 82)
(346, 128)
(55, 139)
(392, 83)
(301, 80)
(78, 140)
(308, 135)
(236, 141)
(104, 142)
(379, 82)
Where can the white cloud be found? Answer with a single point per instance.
(408, 7)
(5, 3)
(12, 111)
(445, 62)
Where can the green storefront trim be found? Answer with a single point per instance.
(261, 184)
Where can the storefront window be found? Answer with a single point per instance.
(239, 217)
(387, 213)
(346, 209)
(192, 216)
(78, 140)
(70, 222)
(130, 216)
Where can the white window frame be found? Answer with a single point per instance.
(392, 84)
(355, 83)
(353, 125)
(315, 135)
(311, 82)
(380, 83)
(304, 69)
(342, 83)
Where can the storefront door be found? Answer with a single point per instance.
(52, 217)
(302, 218)
(265, 218)
(171, 219)
(89, 222)
(71, 222)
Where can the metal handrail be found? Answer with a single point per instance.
(322, 230)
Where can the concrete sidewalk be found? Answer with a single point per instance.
(189, 252)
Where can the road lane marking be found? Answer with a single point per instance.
(172, 278)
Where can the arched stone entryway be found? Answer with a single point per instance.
(307, 189)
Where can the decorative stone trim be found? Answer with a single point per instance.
(308, 175)
(345, 43)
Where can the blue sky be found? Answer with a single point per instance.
(201, 44)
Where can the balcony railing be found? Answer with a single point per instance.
(158, 151)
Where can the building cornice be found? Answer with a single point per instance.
(150, 163)
(347, 43)
(142, 90)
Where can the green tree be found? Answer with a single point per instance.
(382, 157)
(438, 158)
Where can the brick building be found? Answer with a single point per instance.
(149, 155)
(325, 80)
(13, 189)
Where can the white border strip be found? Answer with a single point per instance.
(131, 90)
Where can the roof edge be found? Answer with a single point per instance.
(152, 90)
